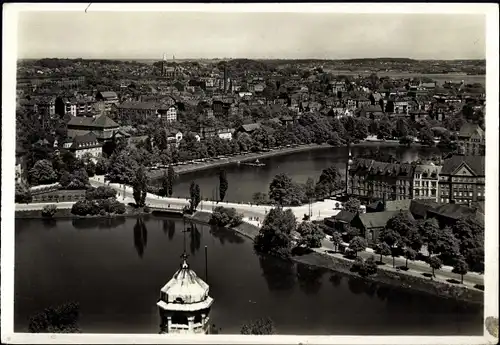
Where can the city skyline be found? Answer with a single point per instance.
(250, 35)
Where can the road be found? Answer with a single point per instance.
(320, 210)
(415, 267)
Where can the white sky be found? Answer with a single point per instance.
(136, 35)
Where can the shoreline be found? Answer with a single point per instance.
(385, 275)
(185, 169)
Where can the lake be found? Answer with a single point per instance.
(244, 181)
(115, 270)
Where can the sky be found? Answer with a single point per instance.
(141, 35)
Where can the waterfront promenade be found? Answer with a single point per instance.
(255, 214)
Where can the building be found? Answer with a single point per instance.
(425, 182)
(103, 127)
(471, 139)
(144, 110)
(108, 98)
(184, 303)
(249, 128)
(370, 179)
(371, 224)
(86, 144)
(461, 180)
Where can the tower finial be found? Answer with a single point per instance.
(184, 258)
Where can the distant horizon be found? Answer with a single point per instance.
(243, 58)
(257, 36)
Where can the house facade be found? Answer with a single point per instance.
(426, 182)
(370, 179)
(471, 139)
(86, 144)
(462, 180)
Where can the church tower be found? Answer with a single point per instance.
(184, 303)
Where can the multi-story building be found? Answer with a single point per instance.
(426, 181)
(370, 179)
(471, 139)
(108, 98)
(103, 127)
(130, 109)
(461, 180)
(86, 144)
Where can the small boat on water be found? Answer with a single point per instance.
(257, 163)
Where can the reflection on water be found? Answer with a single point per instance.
(195, 238)
(244, 285)
(99, 223)
(140, 236)
(336, 279)
(310, 278)
(279, 274)
(224, 234)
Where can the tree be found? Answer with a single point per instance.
(382, 248)
(309, 188)
(274, 235)
(171, 179)
(78, 179)
(261, 326)
(100, 193)
(352, 205)
(429, 230)
(406, 140)
(351, 232)
(22, 194)
(403, 224)
(61, 319)
(223, 184)
(370, 266)
(42, 173)
(311, 234)
(470, 235)
(336, 239)
(140, 187)
(122, 168)
(279, 189)
(392, 238)
(49, 211)
(330, 178)
(259, 198)
(357, 244)
(426, 137)
(460, 267)
(195, 195)
(410, 254)
(101, 166)
(435, 264)
(164, 184)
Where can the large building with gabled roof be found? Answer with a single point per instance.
(461, 180)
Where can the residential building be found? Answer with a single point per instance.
(371, 224)
(102, 126)
(108, 98)
(471, 138)
(338, 86)
(144, 110)
(462, 179)
(86, 144)
(249, 128)
(370, 179)
(426, 181)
